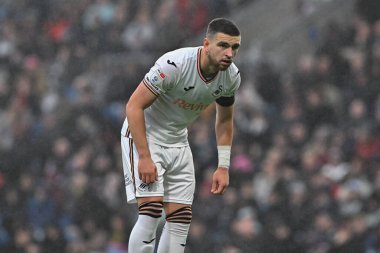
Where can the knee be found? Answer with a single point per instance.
(151, 208)
(182, 215)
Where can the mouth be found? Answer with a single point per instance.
(226, 62)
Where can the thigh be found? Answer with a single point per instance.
(179, 177)
(135, 188)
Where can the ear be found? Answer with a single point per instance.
(206, 42)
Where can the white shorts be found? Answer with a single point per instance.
(175, 168)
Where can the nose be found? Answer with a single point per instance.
(229, 52)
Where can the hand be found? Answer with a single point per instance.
(147, 170)
(220, 181)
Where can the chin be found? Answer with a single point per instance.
(224, 68)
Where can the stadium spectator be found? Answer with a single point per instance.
(64, 76)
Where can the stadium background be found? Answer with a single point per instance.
(305, 173)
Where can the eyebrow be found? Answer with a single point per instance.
(224, 43)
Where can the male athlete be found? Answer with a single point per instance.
(157, 160)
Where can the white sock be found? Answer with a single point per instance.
(173, 238)
(174, 233)
(143, 235)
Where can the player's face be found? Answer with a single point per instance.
(222, 49)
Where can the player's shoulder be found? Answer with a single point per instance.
(181, 55)
(184, 52)
(233, 70)
(232, 74)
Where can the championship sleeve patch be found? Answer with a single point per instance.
(154, 79)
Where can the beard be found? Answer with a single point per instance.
(220, 65)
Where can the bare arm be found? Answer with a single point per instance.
(224, 125)
(141, 99)
(224, 134)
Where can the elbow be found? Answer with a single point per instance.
(128, 109)
(132, 109)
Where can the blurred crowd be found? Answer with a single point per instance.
(305, 171)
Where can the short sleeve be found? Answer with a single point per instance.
(161, 77)
(233, 88)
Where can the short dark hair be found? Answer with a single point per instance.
(222, 25)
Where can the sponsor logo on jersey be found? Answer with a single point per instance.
(189, 88)
(171, 63)
(190, 106)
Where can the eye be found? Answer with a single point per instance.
(235, 46)
(224, 45)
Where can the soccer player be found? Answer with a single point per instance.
(157, 160)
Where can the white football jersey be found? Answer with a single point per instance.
(182, 94)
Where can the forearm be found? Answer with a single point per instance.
(224, 128)
(224, 133)
(136, 122)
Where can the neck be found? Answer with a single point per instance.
(207, 69)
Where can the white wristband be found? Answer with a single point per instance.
(224, 154)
